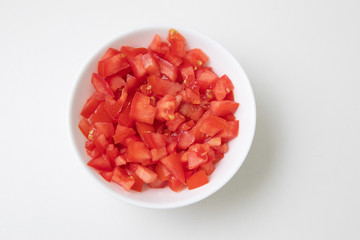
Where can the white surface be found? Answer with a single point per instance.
(223, 63)
(301, 178)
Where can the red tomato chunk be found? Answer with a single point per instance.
(159, 116)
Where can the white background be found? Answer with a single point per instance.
(301, 179)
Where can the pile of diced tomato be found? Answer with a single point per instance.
(159, 116)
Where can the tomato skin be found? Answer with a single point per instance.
(141, 110)
(223, 108)
(112, 65)
(174, 166)
(101, 163)
(138, 152)
(196, 57)
(121, 177)
(85, 127)
(196, 180)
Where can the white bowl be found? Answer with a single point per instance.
(222, 62)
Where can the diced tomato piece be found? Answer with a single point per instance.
(154, 140)
(206, 78)
(196, 57)
(106, 128)
(166, 108)
(197, 155)
(122, 133)
(186, 126)
(137, 66)
(100, 115)
(150, 64)
(85, 127)
(90, 145)
(109, 53)
(124, 118)
(196, 180)
(191, 96)
(223, 108)
(91, 104)
(186, 138)
(141, 110)
(144, 173)
(187, 73)
(222, 87)
(101, 142)
(121, 177)
(209, 95)
(175, 184)
(211, 155)
(116, 82)
(107, 175)
(177, 43)
(230, 96)
(164, 87)
(138, 152)
(113, 107)
(101, 85)
(158, 184)
(93, 153)
(174, 60)
(199, 136)
(157, 154)
(112, 152)
(208, 167)
(138, 184)
(120, 160)
(192, 111)
(143, 128)
(145, 89)
(212, 125)
(230, 131)
(129, 140)
(112, 65)
(171, 147)
(229, 117)
(131, 83)
(162, 172)
(101, 163)
(166, 68)
(173, 124)
(174, 166)
(157, 46)
(130, 52)
(212, 142)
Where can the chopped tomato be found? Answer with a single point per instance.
(106, 128)
(174, 166)
(196, 180)
(112, 107)
(191, 96)
(163, 87)
(101, 142)
(157, 154)
(230, 131)
(162, 172)
(197, 155)
(130, 52)
(196, 57)
(141, 110)
(109, 53)
(175, 184)
(171, 147)
(131, 83)
(208, 167)
(223, 86)
(121, 177)
(154, 140)
(186, 126)
(216, 141)
(206, 78)
(122, 133)
(192, 111)
(112, 152)
(166, 108)
(174, 123)
(138, 184)
(223, 108)
(186, 138)
(85, 127)
(138, 152)
(101, 85)
(101, 163)
(158, 184)
(171, 58)
(150, 64)
(120, 160)
(167, 69)
(107, 176)
(137, 66)
(144, 173)
(112, 65)
(187, 73)
(90, 145)
(212, 125)
(91, 104)
(100, 115)
(124, 118)
(157, 46)
(116, 82)
(177, 43)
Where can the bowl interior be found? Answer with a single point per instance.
(222, 62)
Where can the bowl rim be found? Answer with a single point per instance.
(81, 72)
